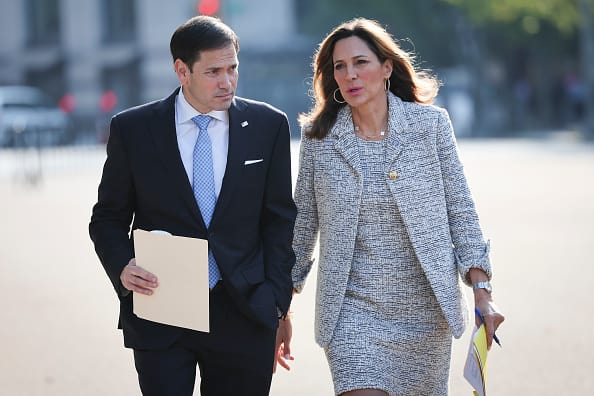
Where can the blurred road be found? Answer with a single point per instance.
(536, 203)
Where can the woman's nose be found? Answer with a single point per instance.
(351, 73)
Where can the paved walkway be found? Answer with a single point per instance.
(535, 199)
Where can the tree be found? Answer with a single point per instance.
(508, 48)
(568, 17)
(563, 14)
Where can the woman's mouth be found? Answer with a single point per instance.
(354, 90)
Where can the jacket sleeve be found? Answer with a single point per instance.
(306, 224)
(112, 214)
(470, 248)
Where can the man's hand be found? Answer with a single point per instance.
(138, 280)
(283, 344)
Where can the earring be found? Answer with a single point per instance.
(336, 100)
(387, 85)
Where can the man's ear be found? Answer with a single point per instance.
(181, 70)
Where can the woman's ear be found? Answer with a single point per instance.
(388, 67)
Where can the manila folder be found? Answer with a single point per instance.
(181, 267)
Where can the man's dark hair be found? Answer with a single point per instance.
(201, 33)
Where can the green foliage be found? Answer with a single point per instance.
(416, 24)
(498, 43)
(436, 30)
(564, 15)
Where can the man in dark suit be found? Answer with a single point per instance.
(203, 163)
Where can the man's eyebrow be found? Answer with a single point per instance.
(215, 68)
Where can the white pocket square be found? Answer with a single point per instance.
(250, 162)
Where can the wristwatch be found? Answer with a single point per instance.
(483, 285)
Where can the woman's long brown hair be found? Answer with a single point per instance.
(408, 84)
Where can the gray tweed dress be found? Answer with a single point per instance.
(391, 333)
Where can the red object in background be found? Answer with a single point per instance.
(108, 101)
(208, 7)
(67, 103)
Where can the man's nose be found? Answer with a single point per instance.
(226, 81)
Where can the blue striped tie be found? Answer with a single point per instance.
(203, 186)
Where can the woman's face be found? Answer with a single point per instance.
(358, 72)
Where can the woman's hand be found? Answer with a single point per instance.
(483, 303)
(492, 317)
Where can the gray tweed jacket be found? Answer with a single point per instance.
(427, 181)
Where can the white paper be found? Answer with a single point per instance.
(475, 369)
(181, 267)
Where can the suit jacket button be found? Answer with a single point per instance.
(393, 175)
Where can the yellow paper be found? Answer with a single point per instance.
(181, 267)
(475, 369)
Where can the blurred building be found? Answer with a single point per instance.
(107, 55)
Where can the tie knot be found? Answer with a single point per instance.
(202, 121)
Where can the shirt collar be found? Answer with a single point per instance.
(185, 112)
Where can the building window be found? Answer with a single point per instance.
(43, 22)
(122, 82)
(119, 21)
(50, 79)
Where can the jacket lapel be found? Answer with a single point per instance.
(238, 140)
(164, 135)
(346, 141)
(397, 129)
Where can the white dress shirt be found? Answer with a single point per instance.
(187, 133)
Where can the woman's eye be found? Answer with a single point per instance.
(338, 67)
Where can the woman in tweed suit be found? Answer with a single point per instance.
(381, 183)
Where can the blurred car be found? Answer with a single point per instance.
(29, 118)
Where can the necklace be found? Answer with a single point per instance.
(367, 136)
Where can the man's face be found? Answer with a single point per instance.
(210, 83)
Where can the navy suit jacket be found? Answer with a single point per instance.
(144, 184)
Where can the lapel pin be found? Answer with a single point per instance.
(244, 124)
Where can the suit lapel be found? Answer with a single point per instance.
(238, 140)
(164, 135)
